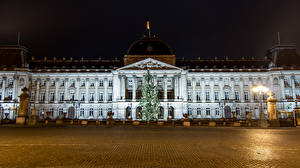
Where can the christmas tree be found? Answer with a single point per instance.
(149, 101)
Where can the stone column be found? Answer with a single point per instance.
(87, 86)
(193, 90)
(56, 91)
(15, 86)
(3, 87)
(105, 89)
(282, 87)
(242, 97)
(221, 84)
(97, 91)
(203, 99)
(116, 87)
(176, 87)
(37, 91)
(212, 93)
(47, 90)
(251, 98)
(134, 88)
(122, 88)
(293, 87)
(66, 89)
(77, 86)
(183, 87)
(165, 88)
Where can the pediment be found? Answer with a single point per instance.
(150, 64)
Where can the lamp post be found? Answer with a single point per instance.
(261, 90)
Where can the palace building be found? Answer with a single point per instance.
(203, 88)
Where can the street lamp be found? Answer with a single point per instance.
(261, 90)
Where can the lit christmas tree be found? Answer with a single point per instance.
(149, 101)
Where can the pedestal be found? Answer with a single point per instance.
(160, 123)
(84, 122)
(135, 123)
(236, 124)
(59, 122)
(212, 124)
(186, 123)
(20, 120)
(33, 120)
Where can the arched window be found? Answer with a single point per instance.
(161, 113)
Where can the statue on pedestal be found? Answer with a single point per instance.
(272, 111)
(23, 107)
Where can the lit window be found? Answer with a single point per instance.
(91, 96)
(169, 81)
(190, 111)
(207, 82)
(198, 111)
(82, 96)
(198, 82)
(129, 82)
(52, 96)
(198, 96)
(216, 82)
(60, 112)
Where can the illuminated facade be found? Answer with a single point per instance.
(88, 89)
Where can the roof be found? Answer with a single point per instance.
(12, 56)
(149, 46)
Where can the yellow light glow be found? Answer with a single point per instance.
(260, 89)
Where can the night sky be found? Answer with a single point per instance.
(204, 28)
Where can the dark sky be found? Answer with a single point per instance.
(106, 28)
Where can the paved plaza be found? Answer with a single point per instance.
(98, 146)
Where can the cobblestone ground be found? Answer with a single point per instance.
(149, 147)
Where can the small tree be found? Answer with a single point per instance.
(149, 101)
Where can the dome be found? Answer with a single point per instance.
(149, 46)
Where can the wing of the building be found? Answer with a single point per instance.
(203, 88)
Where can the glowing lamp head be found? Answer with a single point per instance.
(260, 89)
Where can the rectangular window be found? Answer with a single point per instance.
(237, 95)
(189, 96)
(246, 96)
(62, 83)
(198, 96)
(91, 112)
(31, 97)
(60, 112)
(61, 96)
(159, 82)
(129, 82)
(51, 110)
(52, 96)
(207, 96)
(10, 93)
(238, 111)
(91, 96)
(72, 96)
(217, 111)
(216, 96)
(52, 83)
(101, 83)
(226, 81)
(207, 82)
(101, 112)
(198, 82)
(43, 96)
(81, 112)
(190, 111)
(100, 97)
(43, 82)
(82, 84)
(72, 83)
(216, 82)
(199, 111)
(10, 82)
(189, 83)
(237, 81)
(110, 83)
(109, 97)
(82, 96)
(92, 84)
(226, 95)
(207, 111)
